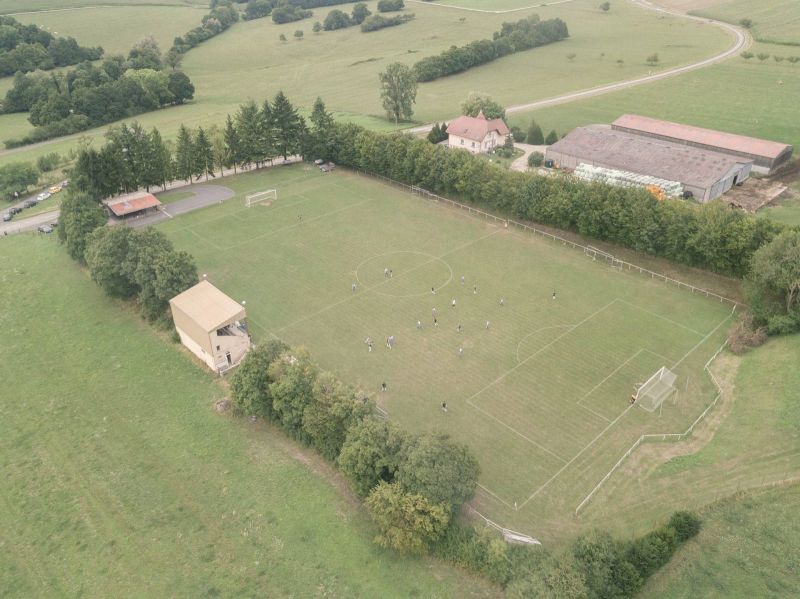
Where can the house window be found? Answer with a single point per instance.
(218, 348)
(473, 144)
(462, 142)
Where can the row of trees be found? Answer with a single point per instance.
(762, 56)
(90, 95)
(26, 48)
(221, 16)
(513, 37)
(412, 484)
(338, 19)
(133, 158)
(390, 5)
(17, 177)
(376, 22)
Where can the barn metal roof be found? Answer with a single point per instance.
(476, 127)
(645, 155)
(208, 306)
(132, 202)
(718, 139)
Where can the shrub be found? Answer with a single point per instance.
(376, 22)
(390, 5)
(745, 335)
(686, 525)
(336, 19)
(288, 13)
(535, 159)
(48, 162)
(250, 382)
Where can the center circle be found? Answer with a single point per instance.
(403, 273)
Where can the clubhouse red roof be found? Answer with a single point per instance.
(132, 202)
(476, 128)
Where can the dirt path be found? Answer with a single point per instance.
(204, 195)
(521, 163)
(741, 40)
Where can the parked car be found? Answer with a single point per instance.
(29, 203)
(14, 210)
(7, 217)
(55, 189)
(65, 183)
(45, 229)
(43, 196)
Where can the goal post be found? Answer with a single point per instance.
(265, 197)
(652, 393)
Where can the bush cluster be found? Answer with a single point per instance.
(257, 9)
(286, 13)
(219, 18)
(710, 236)
(25, 48)
(411, 483)
(376, 22)
(90, 95)
(390, 5)
(513, 37)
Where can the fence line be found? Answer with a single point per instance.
(662, 436)
(617, 262)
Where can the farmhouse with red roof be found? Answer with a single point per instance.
(476, 134)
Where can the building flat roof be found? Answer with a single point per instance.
(476, 128)
(647, 156)
(709, 137)
(208, 306)
(132, 202)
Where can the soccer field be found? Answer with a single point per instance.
(541, 393)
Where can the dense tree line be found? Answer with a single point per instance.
(390, 5)
(256, 9)
(287, 13)
(338, 19)
(773, 285)
(26, 48)
(133, 158)
(16, 178)
(221, 16)
(89, 95)
(513, 37)
(376, 22)
(710, 236)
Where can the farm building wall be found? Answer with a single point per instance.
(491, 141)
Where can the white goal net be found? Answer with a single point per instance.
(598, 254)
(656, 389)
(265, 198)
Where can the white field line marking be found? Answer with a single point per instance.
(558, 326)
(385, 281)
(505, 374)
(657, 315)
(577, 455)
(613, 372)
(500, 499)
(293, 226)
(535, 493)
(703, 340)
(598, 414)
(516, 432)
(164, 210)
(201, 238)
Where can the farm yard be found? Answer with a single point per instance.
(344, 65)
(541, 395)
(119, 479)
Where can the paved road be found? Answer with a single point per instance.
(29, 224)
(204, 195)
(742, 39)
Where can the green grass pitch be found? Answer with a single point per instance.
(541, 395)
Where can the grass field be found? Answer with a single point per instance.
(748, 548)
(342, 67)
(120, 480)
(541, 396)
(773, 20)
(787, 210)
(739, 96)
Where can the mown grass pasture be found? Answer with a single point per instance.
(120, 479)
(540, 393)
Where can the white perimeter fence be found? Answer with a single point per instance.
(523, 227)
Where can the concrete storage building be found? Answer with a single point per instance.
(766, 155)
(211, 325)
(707, 175)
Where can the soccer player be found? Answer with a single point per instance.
(419, 325)
(383, 386)
(460, 351)
(390, 273)
(474, 290)
(353, 287)
(453, 303)
(502, 302)
(433, 311)
(459, 328)
(462, 279)
(435, 322)
(433, 291)
(554, 294)
(487, 325)
(444, 406)
(385, 273)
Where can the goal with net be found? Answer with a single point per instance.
(265, 198)
(656, 389)
(596, 253)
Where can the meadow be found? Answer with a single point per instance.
(249, 61)
(120, 479)
(540, 394)
(773, 20)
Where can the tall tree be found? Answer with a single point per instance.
(203, 158)
(266, 135)
(288, 126)
(476, 103)
(184, 155)
(250, 383)
(80, 215)
(534, 136)
(233, 143)
(248, 126)
(159, 165)
(773, 285)
(398, 91)
(371, 453)
(219, 149)
(318, 137)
